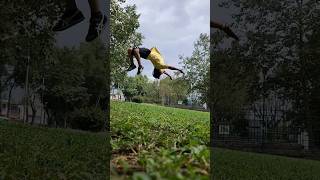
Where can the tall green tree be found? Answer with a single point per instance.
(172, 91)
(123, 27)
(26, 41)
(135, 86)
(197, 68)
(75, 86)
(279, 44)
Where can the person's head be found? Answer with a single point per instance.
(157, 73)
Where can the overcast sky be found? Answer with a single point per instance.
(172, 27)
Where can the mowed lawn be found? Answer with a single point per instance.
(235, 165)
(29, 152)
(170, 143)
(159, 142)
(149, 142)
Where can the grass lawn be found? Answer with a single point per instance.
(152, 141)
(170, 143)
(235, 165)
(149, 142)
(28, 152)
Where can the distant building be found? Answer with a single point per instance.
(116, 94)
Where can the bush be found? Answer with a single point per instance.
(185, 102)
(138, 99)
(240, 126)
(88, 119)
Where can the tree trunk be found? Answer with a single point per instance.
(27, 91)
(9, 100)
(49, 118)
(97, 101)
(0, 97)
(105, 107)
(49, 121)
(34, 110)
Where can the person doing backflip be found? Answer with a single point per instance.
(154, 56)
(72, 16)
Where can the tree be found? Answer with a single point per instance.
(135, 86)
(277, 44)
(197, 68)
(67, 79)
(123, 27)
(26, 39)
(172, 91)
(129, 88)
(75, 85)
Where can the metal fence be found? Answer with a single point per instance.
(269, 132)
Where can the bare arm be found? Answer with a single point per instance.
(214, 24)
(226, 29)
(167, 74)
(176, 69)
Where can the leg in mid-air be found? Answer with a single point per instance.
(158, 72)
(134, 52)
(176, 69)
(71, 16)
(97, 21)
(224, 28)
(94, 6)
(172, 68)
(215, 24)
(130, 57)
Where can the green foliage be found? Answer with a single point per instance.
(95, 69)
(137, 99)
(135, 86)
(26, 41)
(169, 92)
(197, 68)
(235, 165)
(77, 79)
(232, 79)
(281, 44)
(28, 152)
(68, 79)
(169, 142)
(123, 27)
(88, 119)
(172, 91)
(152, 95)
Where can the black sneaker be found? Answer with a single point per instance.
(132, 67)
(97, 24)
(68, 19)
(139, 70)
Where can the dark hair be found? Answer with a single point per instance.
(156, 73)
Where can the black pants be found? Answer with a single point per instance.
(144, 52)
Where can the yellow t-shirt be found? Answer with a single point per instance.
(156, 59)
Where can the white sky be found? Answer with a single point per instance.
(172, 26)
